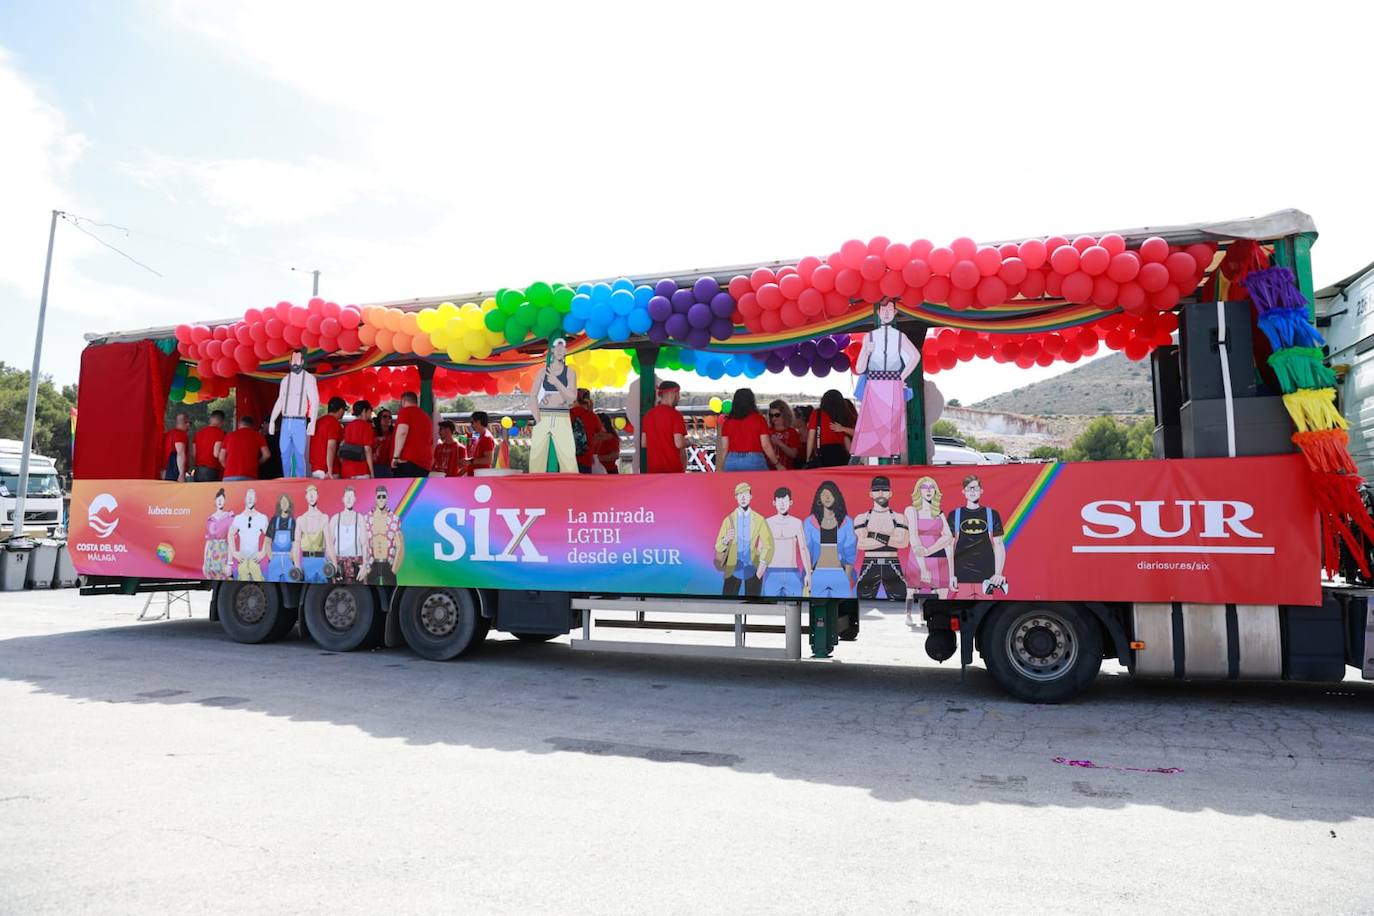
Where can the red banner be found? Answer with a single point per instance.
(1217, 531)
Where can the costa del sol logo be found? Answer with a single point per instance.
(102, 515)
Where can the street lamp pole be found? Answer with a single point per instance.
(18, 521)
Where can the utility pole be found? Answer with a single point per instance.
(18, 521)
(315, 289)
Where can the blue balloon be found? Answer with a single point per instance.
(582, 306)
(715, 370)
(602, 312)
(623, 301)
(573, 323)
(690, 358)
(584, 289)
(623, 283)
(601, 292)
(639, 321)
(643, 294)
(619, 329)
(596, 330)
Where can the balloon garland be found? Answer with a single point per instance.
(820, 357)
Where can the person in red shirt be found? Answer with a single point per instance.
(607, 448)
(414, 451)
(787, 441)
(176, 449)
(482, 448)
(663, 433)
(830, 431)
(583, 411)
(744, 442)
(450, 458)
(324, 443)
(206, 449)
(359, 433)
(385, 427)
(243, 450)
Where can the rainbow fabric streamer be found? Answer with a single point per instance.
(1301, 367)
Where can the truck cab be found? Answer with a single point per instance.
(43, 502)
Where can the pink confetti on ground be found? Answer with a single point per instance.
(1089, 765)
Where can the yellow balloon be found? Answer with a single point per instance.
(427, 320)
(619, 422)
(473, 341)
(458, 353)
(715, 404)
(454, 328)
(507, 422)
(439, 338)
(447, 310)
(488, 304)
(483, 351)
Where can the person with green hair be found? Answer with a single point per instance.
(551, 398)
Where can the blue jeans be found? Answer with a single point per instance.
(292, 444)
(313, 568)
(279, 567)
(829, 582)
(745, 461)
(782, 583)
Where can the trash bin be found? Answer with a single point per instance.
(14, 564)
(42, 564)
(65, 574)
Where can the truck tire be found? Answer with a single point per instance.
(342, 618)
(440, 623)
(534, 637)
(252, 612)
(1042, 653)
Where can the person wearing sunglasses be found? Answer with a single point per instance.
(782, 431)
(383, 541)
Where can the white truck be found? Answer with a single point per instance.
(43, 503)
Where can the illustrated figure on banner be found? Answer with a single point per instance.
(926, 561)
(281, 533)
(310, 536)
(216, 564)
(383, 542)
(346, 542)
(246, 535)
(831, 544)
(552, 396)
(885, 360)
(298, 400)
(881, 534)
(979, 551)
(744, 546)
(789, 571)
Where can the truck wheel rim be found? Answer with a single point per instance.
(1041, 646)
(340, 609)
(439, 615)
(250, 604)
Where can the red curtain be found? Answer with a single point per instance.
(121, 401)
(254, 398)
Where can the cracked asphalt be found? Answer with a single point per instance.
(159, 767)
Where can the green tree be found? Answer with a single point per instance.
(944, 428)
(52, 431)
(990, 445)
(459, 404)
(1105, 439)
(1051, 452)
(1141, 440)
(520, 456)
(953, 402)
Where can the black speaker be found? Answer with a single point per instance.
(1168, 385)
(1200, 354)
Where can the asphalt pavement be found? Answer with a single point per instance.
(160, 767)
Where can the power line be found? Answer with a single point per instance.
(124, 254)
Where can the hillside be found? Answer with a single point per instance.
(1112, 384)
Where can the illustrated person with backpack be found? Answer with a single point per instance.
(979, 551)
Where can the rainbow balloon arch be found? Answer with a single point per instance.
(1030, 303)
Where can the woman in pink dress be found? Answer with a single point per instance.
(926, 562)
(216, 562)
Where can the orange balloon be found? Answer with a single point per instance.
(395, 318)
(410, 323)
(384, 342)
(422, 345)
(401, 342)
(367, 334)
(710, 421)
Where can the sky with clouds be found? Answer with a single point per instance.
(420, 149)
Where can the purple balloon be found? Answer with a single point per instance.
(699, 315)
(820, 370)
(774, 363)
(658, 334)
(698, 338)
(840, 363)
(660, 308)
(842, 340)
(798, 366)
(665, 288)
(683, 300)
(677, 326)
(826, 347)
(722, 329)
(705, 289)
(722, 305)
(807, 350)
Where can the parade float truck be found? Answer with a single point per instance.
(1238, 552)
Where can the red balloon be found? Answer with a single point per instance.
(770, 296)
(1084, 242)
(988, 259)
(1154, 250)
(1154, 276)
(331, 310)
(1012, 270)
(916, 273)
(811, 302)
(892, 284)
(1166, 298)
(848, 282)
(748, 305)
(1116, 338)
(278, 346)
(1114, 243)
(942, 261)
(982, 348)
(914, 295)
(947, 359)
(1053, 343)
(1086, 338)
(964, 248)
(938, 290)
(1024, 362)
(298, 316)
(1137, 349)
(1007, 250)
(921, 249)
(823, 278)
(311, 340)
(221, 332)
(897, 255)
(350, 317)
(1044, 359)
(960, 299)
(1131, 297)
(1033, 253)
(872, 268)
(1054, 284)
(992, 291)
(878, 244)
(771, 322)
(965, 275)
(1078, 287)
(1167, 321)
(262, 351)
(807, 266)
(1033, 285)
(852, 253)
(836, 304)
(1064, 260)
(1105, 290)
(312, 324)
(1124, 267)
(738, 286)
(1094, 261)
(869, 291)
(1011, 349)
(759, 277)
(964, 352)
(292, 336)
(1030, 348)
(329, 327)
(1201, 253)
(791, 285)
(1181, 267)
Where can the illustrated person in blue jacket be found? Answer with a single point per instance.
(830, 544)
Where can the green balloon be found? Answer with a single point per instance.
(539, 294)
(562, 299)
(510, 301)
(177, 393)
(725, 406)
(547, 322)
(516, 331)
(495, 320)
(526, 314)
(192, 384)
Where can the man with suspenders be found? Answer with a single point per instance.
(979, 552)
(345, 542)
(298, 400)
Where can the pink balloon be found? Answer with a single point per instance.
(350, 316)
(823, 278)
(1094, 261)
(807, 266)
(329, 327)
(1114, 243)
(1105, 291)
(960, 299)
(183, 333)
(1033, 285)
(897, 255)
(869, 291)
(791, 315)
(1012, 270)
(892, 284)
(1181, 267)
(770, 296)
(282, 310)
(1154, 276)
(315, 304)
(872, 268)
(1201, 253)
(1154, 250)
(938, 290)
(348, 340)
(988, 259)
(1008, 250)
(964, 248)
(299, 316)
(1064, 260)
(1124, 267)
(759, 277)
(331, 310)
(965, 275)
(312, 323)
(1033, 252)
(1131, 297)
(991, 291)
(791, 285)
(1078, 287)
(748, 305)
(221, 332)
(252, 316)
(292, 337)
(916, 273)
(878, 244)
(921, 249)
(942, 261)
(200, 333)
(274, 327)
(738, 287)
(852, 253)
(848, 282)
(1084, 242)
(811, 302)
(1054, 284)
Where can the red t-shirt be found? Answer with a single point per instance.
(449, 458)
(381, 453)
(481, 450)
(242, 449)
(205, 446)
(591, 426)
(660, 424)
(419, 444)
(790, 438)
(359, 432)
(608, 452)
(169, 443)
(326, 427)
(744, 434)
(828, 436)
